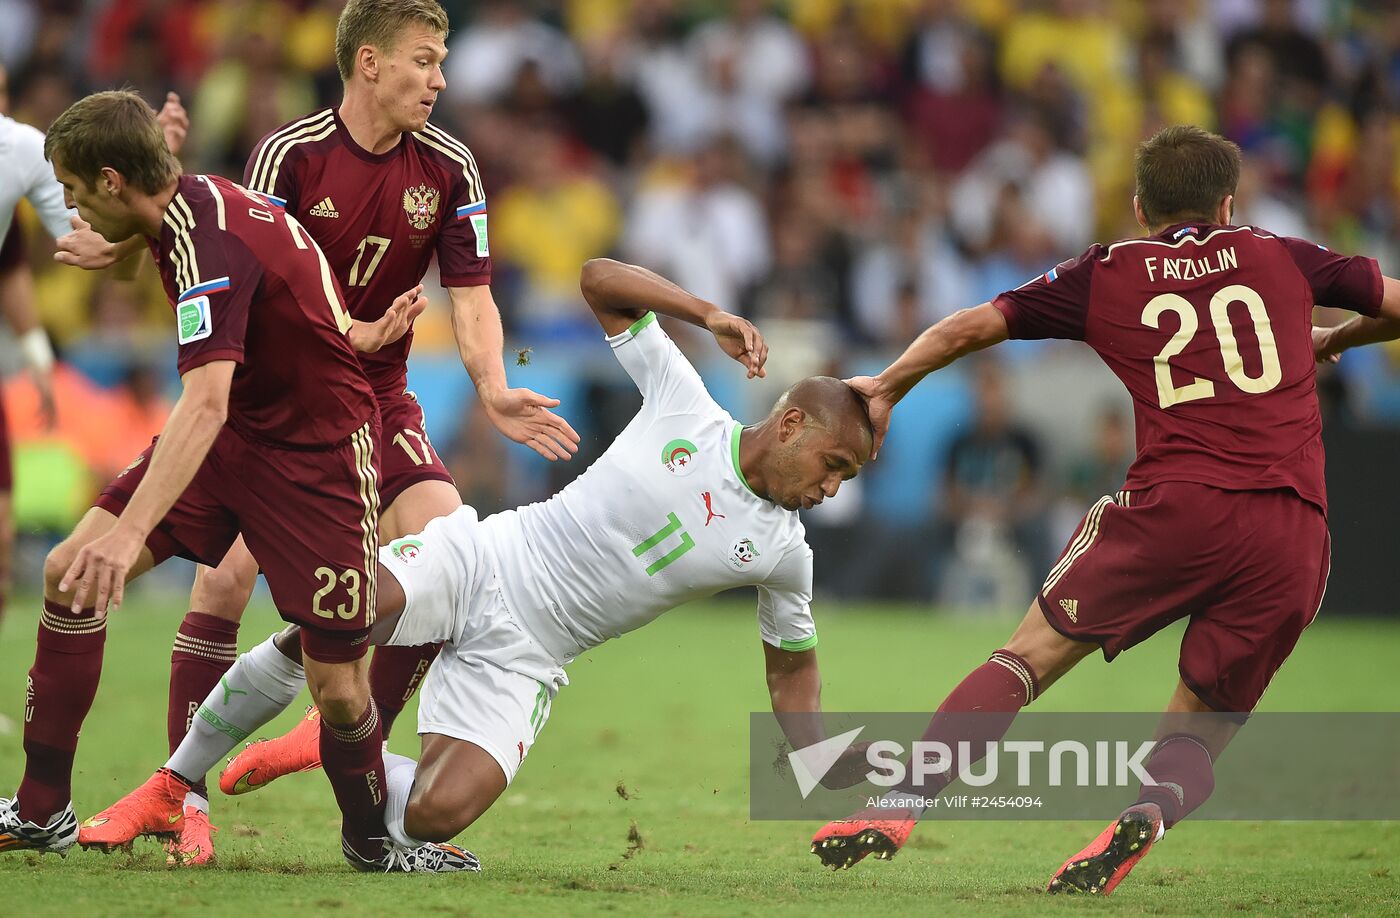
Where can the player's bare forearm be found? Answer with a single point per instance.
(185, 440)
(795, 688)
(17, 299)
(519, 414)
(964, 332)
(1358, 332)
(620, 294)
(476, 326)
(1363, 330)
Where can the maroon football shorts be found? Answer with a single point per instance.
(309, 517)
(406, 456)
(1248, 568)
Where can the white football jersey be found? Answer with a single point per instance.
(663, 517)
(24, 173)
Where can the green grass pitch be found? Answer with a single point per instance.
(662, 714)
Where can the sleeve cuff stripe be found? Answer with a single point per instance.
(794, 646)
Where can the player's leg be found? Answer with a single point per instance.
(197, 526)
(395, 672)
(1272, 581)
(479, 721)
(7, 547)
(414, 488)
(350, 744)
(436, 568)
(206, 645)
(61, 687)
(261, 684)
(207, 642)
(1098, 594)
(438, 797)
(1189, 738)
(979, 710)
(311, 519)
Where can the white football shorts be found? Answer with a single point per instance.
(493, 685)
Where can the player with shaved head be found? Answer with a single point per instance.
(685, 503)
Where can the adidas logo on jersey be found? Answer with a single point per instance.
(324, 209)
(1071, 607)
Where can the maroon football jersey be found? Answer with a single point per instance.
(379, 218)
(1210, 328)
(248, 284)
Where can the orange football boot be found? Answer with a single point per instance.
(156, 808)
(842, 843)
(265, 761)
(195, 845)
(1099, 868)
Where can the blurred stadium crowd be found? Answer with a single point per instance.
(844, 172)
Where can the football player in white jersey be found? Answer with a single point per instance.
(685, 503)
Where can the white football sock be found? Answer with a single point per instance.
(399, 772)
(261, 684)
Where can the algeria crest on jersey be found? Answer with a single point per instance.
(679, 457)
(421, 205)
(743, 554)
(407, 550)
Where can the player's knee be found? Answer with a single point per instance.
(434, 816)
(342, 700)
(56, 565)
(224, 591)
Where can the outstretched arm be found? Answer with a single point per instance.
(1329, 343)
(962, 333)
(520, 414)
(795, 687)
(620, 294)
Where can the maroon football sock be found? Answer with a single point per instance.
(353, 758)
(205, 648)
(978, 711)
(62, 684)
(1185, 778)
(395, 674)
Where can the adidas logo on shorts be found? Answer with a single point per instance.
(324, 209)
(1071, 607)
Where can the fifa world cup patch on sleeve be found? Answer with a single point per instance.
(194, 319)
(483, 247)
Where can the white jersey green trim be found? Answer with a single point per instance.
(665, 516)
(734, 457)
(794, 646)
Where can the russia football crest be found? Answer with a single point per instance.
(421, 205)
